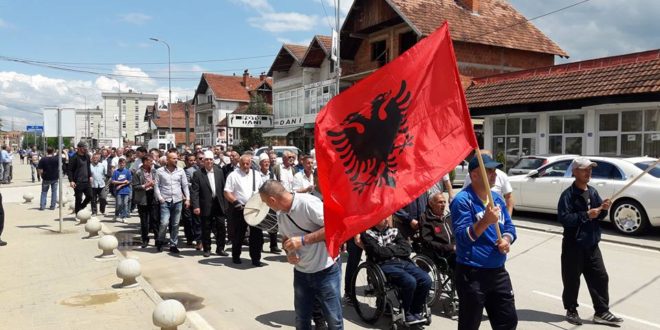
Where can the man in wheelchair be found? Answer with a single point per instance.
(386, 247)
(436, 237)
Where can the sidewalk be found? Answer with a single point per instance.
(51, 280)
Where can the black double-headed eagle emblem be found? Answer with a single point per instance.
(368, 147)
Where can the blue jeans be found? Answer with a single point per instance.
(325, 288)
(45, 185)
(121, 206)
(413, 283)
(170, 213)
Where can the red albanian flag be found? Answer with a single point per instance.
(390, 137)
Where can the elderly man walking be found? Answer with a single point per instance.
(172, 192)
(240, 186)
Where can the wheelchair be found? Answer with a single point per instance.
(373, 295)
(442, 290)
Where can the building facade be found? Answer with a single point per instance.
(608, 106)
(132, 105)
(304, 80)
(158, 123)
(217, 96)
(88, 124)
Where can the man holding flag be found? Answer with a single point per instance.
(480, 277)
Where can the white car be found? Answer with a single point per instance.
(632, 212)
(526, 164)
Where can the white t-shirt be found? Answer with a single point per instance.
(302, 181)
(211, 177)
(307, 212)
(286, 177)
(241, 184)
(502, 185)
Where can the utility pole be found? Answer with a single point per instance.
(187, 122)
(337, 62)
(119, 105)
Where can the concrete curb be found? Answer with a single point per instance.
(604, 238)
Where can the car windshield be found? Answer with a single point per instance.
(655, 172)
(529, 163)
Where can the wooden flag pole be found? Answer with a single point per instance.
(484, 177)
(648, 169)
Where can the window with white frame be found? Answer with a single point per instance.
(629, 133)
(566, 134)
(514, 137)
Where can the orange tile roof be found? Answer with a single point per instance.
(297, 51)
(326, 42)
(497, 23)
(178, 116)
(231, 87)
(628, 74)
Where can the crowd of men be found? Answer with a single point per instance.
(206, 191)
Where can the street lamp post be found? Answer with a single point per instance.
(169, 78)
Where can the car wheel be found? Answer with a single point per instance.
(629, 217)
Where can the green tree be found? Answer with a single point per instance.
(252, 136)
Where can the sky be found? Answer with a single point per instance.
(109, 40)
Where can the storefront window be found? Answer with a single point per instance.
(631, 121)
(556, 125)
(555, 144)
(608, 122)
(607, 145)
(631, 144)
(574, 145)
(499, 127)
(513, 126)
(528, 125)
(652, 120)
(652, 144)
(574, 124)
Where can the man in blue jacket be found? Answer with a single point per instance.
(580, 210)
(480, 277)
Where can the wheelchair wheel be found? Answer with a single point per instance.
(426, 264)
(368, 292)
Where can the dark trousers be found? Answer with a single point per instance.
(97, 199)
(148, 221)
(82, 188)
(577, 260)
(354, 257)
(413, 283)
(485, 287)
(2, 216)
(256, 238)
(191, 226)
(214, 224)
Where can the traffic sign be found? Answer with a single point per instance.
(34, 128)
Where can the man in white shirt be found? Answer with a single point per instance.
(240, 186)
(286, 170)
(303, 182)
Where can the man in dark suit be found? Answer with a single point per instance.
(208, 202)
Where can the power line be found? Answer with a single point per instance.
(326, 14)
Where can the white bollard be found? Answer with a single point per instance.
(84, 215)
(28, 197)
(108, 243)
(128, 270)
(93, 226)
(169, 314)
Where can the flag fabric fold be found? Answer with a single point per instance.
(390, 137)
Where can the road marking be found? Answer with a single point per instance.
(621, 244)
(651, 324)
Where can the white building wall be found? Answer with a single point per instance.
(133, 117)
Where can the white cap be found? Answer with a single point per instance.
(225, 160)
(208, 154)
(582, 163)
(263, 156)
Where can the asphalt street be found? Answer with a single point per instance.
(242, 297)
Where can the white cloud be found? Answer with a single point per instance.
(284, 22)
(135, 18)
(259, 5)
(344, 6)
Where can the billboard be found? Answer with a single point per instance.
(249, 121)
(68, 122)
